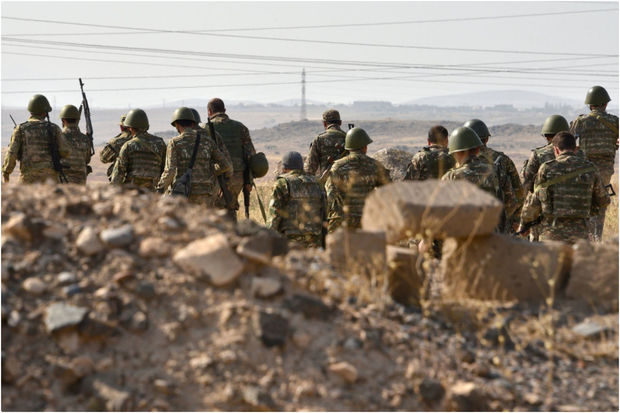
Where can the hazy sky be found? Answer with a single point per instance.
(145, 53)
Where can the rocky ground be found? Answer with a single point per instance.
(117, 300)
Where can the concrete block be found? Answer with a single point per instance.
(439, 208)
(356, 250)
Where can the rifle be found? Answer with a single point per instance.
(610, 190)
(221, 180)
(53, 147)
(89, 123)
(529, 225)
(14, 123)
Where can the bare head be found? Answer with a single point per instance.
(215, 105)
(564, 142)
(438, 135)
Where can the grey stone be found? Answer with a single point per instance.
(60, 315)
(431, 390)
(88, 242)
(310, 307)
(114, 398)
(257, 398)
(271, 328)
(34, 285)
(591, 329)
(395, 160)
(118, 237)
(466, 397)
(55, 230)
(72, 289)
(353, 343)
(66, 277)
(145, 289)
(256, 248)
(265, 287)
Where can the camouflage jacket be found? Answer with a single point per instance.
(219, 142)
(531, 166)
(326, 148)
(110, 152)
(597, 137)
(350, 180)
(298, 206)
(477, 171)
(79, 155)
(429, 163)
(140, 161)
(236, 138)
(508, 177)
(30, 146)
(178, 156)
(568, 186)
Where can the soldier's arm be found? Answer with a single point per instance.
(246, 142)
(109, 152)
(532, 207)
(223, 162)
(335, 213)
(278, 204)
(120, 167)
(600, 197)
(170, 169)
(413, 170)
(529, 172)
(312, 161)
(12, 154)
(64, 149)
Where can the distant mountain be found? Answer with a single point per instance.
(517, 98)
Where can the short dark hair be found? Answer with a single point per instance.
(71, 121)
(185, 122)
(216, 105)
(435, 131)
(564, 141)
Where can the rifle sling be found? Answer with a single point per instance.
(192, 161)
(563, 178)
(611, 126)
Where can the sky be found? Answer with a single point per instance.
(133, 54)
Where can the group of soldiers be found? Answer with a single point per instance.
(559, 195)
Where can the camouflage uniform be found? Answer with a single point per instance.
(237, 140)
(509, 182)
(567, 191)
(326, 148)
(110, 152)
(219, 143)
(599, 142)
(140, 161)
(477, 171)
(298, 208)
(203, 183)
(350, 180)
(430, 163)
(30, 146)
(79, 156)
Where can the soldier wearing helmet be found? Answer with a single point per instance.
(209, 161)
(433, 160)
(79, 156)
(141, 159)
(351, 179)
(298, 206)
(30, 145)
(110, 152)
(506, 171)
(598, 138)
(328, 146)
(464, 144)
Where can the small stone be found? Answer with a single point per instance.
(14, 318)
(305, 389)
(68, 340)
(115, 399)
(431, 390)
(88, 242)
(271, 328)
(71, 290)
(256, 248)
(591, 329)
(310, 307)
(23, 228)
(66, 277)
(163, 386)
(227, 356)
(35, 286)
(265, 287)
(60, 315)
(301, 339)
(55, 230)
(154, 247)
(122, 276)
(465, 396)
(169, 223)
(145, 289)
(353, 343)
(138, 321)
(257, 398)
(201, 362)
(82, 366)
(118, 237)
(344, 370)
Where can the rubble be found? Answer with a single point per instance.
(405, 284)
(88, 242)
(356, 250)
(395, 160)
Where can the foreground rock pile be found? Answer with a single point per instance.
(122, 300)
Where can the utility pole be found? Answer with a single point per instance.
(303, 114)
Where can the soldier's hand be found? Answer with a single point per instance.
(5, 178)
(248, 187)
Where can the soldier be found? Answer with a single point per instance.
(567, 192)
(79, 157)
(236, 138)
(465, 145)
(509, 181)
(31, 146)
(298, 206)
(141, 159)
(203, 186)
(327, 147)
(351, 179)
(218, 138)
(432, 161)
(598, 138)
(110, 152)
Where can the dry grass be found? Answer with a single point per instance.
(611, 216)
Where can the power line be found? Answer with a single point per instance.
(332, 42)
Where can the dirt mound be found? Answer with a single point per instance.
(124, 300)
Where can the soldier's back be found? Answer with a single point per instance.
(203, 172)
(598, 134)
(145, 156)
(79, 155)
(36, 163)
(430, 163)
(477, 171)
(305, 208)
(357, 175)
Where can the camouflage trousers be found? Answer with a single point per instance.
(349, 222)
(235, 185)
(597, 222)
(79, 179)
(202, 199)
(564, 229)
(39, 176)
(307, 240)
(146, 183)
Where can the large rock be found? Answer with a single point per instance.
(355, 250)
(404, 284)
(500, 267)
(594, 274)
(211, 257)
(439, 209)
(396, 160)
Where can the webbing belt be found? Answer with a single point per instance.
(611, 126)
(563, 178)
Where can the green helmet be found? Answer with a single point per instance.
(554, 124)
(69, 112)
(136, 118)
(356, 138)
(39, 104)
(196, 115)
(182, 113)
(259, 165)
(463, 139)
(597, 96)
(479, 127)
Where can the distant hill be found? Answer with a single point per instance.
(517, 98)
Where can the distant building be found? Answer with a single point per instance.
(376, 105)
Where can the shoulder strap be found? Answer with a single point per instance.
(611, 126)
(193, 160)
(565, 177)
